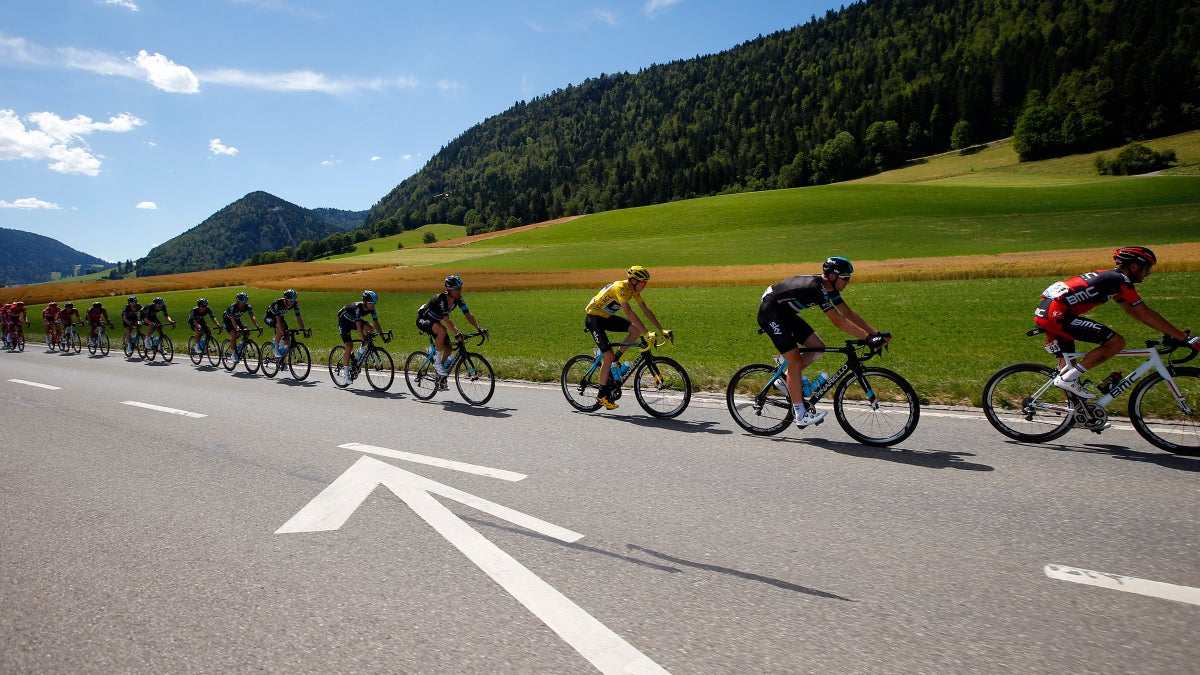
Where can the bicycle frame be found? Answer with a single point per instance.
(645, 353)
(1153, 362)
(853, 363)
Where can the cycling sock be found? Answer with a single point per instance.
(1072, 372)
(799, 408)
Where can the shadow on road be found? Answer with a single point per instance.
(673, 425)
(1163, 459)
(288, 381)
(930, 459)
(474, 411)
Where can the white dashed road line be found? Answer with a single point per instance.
(1117, 582)
(36, 384)
(159, 408)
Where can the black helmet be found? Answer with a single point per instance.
(370, 296)
(242, 297)
(837, 265)
(69, 305)
(159, 301)
(289, 294)
(96, 305)
(202, 302)
(453, 281)
(132, 300)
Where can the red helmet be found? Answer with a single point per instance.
(1131, 254)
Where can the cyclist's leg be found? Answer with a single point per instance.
(1086, 330)
(599, 326)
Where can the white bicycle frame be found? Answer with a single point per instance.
(1153, 362)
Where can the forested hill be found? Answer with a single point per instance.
(27, 258)
(253, 224)
(855, 91)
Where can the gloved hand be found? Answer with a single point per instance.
(1194, 342)
(876, 341)
(669, 334)
(484, 331)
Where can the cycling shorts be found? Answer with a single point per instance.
(271, 320)
(346, 328)
(200, 324)
(599, 325)
(231, 324)
(1066, 328)
(785, 328)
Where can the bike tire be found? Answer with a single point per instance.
(127, 347)
(271, 364)
(21, 342)
(662, 387)
(879, 408)
(103, 344)
(225, 355)
(91, 348)
(579, 384)
(1007, 406)
(251, 356)
(756, 405)
(420, 376)
(74, 343)
(335, 362)
(166, 348)
(474, 378)
(1156, 416)
(380, 369)
(299, 361)
(196, 357)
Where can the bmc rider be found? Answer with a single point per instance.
(778, 316)
(199, 326)
(354, 317)
(601, 316)
(232, 319)
(149, 317)
(67, 317)
(1064, 303)
(95, 316)
(276, 317)
(431, 315)
(50, 321)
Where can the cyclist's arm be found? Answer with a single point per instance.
(848, 321)
(474, 321)
(1153, 319)
(649, 315)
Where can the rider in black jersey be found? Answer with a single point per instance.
(197, 323)
(431, 315)
(354, 317)
(232, 319)
(149, 317)
(276, 317)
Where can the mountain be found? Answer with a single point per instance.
(859, 90)
(27, 258)
(257, 223)
(342, 220)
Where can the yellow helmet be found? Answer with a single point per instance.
(638, 272)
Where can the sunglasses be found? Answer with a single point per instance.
(844, 277)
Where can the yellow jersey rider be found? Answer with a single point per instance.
(602, 317)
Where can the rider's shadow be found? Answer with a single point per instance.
(671, 424)
(1167, 461)
(289, 382)
(929, 459)
(371, 393)
(473, 410)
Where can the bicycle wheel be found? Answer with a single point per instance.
(103, 343)
(662, 387)
(299, 361)
(20, 342)
(251, 357)
(194, 353)
(474, 378)
(880, 408)
(92, 347)
(73, 343)
(335, 362)
(270, 362)
(166, 348)
(380, 370)
(226, 355)
(579, 383)
(754, 404)
(1009, 405)
(420, 376)
(1157, 416)
(127, 346)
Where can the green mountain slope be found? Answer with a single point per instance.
(27, 258)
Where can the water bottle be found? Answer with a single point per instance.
(358, 354)
(807, 386)
(616, 371)
(820, 381)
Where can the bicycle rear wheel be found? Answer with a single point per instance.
(380, 370)
(103, 343)
(335, 362)
(73, 343)
(194, 352)
(756, 405)
(662, 387)
(579, 383)
(880, 408)
(251, 356)
(1009, 405)
(299, 361)
(92, 347)
(270, 361)
(1157, 416)
(420, 376)
(474, 378)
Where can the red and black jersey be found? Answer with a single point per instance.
(1079, 295)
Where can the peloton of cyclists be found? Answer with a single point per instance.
(95, 316)
(354, 317)
(149, 317)
(1064, 303)
(431, 315)
(276, 317)
(779, 318)
(67, 317)
(601, 317)
(196, 321)
(232, 320)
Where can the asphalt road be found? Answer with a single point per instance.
(249, 524)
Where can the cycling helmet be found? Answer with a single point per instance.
(69, 305)
(202, 302)
(1131, 254)
(132, 300)
(159, 301)
(289, 294)
(53, 304)
(96, 305)
(453, 281)
(639, 273)
(837, 265)
(19, 304)
(242, 297)
(370, 296)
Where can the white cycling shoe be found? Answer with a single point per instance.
(811, 417)
(1074, 387)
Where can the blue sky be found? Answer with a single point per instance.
(126, 122)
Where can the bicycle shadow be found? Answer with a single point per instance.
(1163, 459)
(371, 393)
(673, 568)
(287, 381)
(684, 426)
(473, 410)
(929, 459)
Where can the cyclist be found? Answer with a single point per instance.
(199, 326)
(149, 317)
(1064, 303)
(779, 318)
(354, 317)
(95, 316)
(67, 317)
(276, 317)
(50, 321)
(7, 323)
(131, 313)
(232, 319)
(601, 317)
(430, 317)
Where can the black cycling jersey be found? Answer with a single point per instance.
(132, 312)
(801, 292)
(150, 315)
(279, 308)
(355, 312)
(440, 305)
(235, 312)
(198, 313)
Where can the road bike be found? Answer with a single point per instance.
(1022, 402)
(296, 359)
(370, 358)
(875, 406)
(473, 375)
(68, 339)
(245, 351)
(100, 342)
(660, 384)
(16, 339)
(135, 343)
(206, 348)
(158, 343)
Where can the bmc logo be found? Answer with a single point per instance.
(1079, 296)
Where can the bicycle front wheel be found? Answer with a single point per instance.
(335, 362)
(1158, 416)
(662, 387)
(380, 369)
(1010, 406)
(251, 356)
(299, 361)
(226, 355)
(756, 405)
(579, 383)
(878, 408)
(92, 347)
(420, 376)
(166, 348)
(474, 378)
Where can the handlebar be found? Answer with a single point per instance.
(1168, 344)
(467, 336)
(306, 332)
(369, 337)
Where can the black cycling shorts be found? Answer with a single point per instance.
(1069, 328)
(599, 325)
(785, 328)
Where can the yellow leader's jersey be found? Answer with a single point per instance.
(608, 301)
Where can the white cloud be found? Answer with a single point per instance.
(29, 203)
(149, 206)
(302, 80)
(122, 3)
(58, 140)
(219, 148)
(166, 75)
(375, 158)
(654, 7)
(449, 86)
(332, 161)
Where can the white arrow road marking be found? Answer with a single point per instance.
(36, 384)
(159, 408)
(436, 461)
(330, 509)
(1117, 582)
